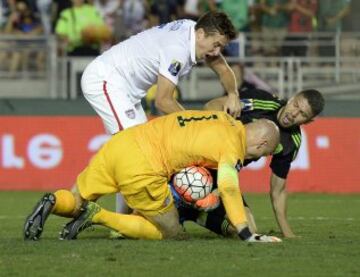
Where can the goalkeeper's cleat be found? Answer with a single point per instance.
(81, 222)
(34, 224)
(263, 238)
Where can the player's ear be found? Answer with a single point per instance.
(201, 32)
(262, 144)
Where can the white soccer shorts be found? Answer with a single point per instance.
(107, 92)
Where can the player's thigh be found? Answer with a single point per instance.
(116, 109)
(145, 190)
(95, 180)
(149, 195)
(156, 204)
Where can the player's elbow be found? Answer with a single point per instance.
(172, 233)
(228, 189)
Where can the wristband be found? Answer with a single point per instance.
(245, 233)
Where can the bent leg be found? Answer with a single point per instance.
(168, 223)
(62, 203)
(216, 220)
(132, 226)
(161, 226)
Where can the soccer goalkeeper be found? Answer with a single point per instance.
(139, 162)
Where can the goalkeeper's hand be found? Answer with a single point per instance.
(208, 203)
(263, 238)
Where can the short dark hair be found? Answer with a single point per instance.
(213, 22)
(315, 99)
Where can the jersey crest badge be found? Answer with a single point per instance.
(174, 68)
(130, 113)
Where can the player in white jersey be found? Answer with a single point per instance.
(116, 81)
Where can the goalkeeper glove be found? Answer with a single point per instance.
(246, 235)
(209, 202)
(263, 238)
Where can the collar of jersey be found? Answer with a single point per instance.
(192, 44)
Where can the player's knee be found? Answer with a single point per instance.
(170, 227)
(173, 231)
(168, 224)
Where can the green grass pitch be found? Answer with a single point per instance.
(329, 244)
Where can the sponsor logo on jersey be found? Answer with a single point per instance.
(174, 68)
(130, 113)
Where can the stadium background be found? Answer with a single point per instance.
(48, 132)
(45, 143)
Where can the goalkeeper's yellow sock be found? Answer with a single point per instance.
(65, 203)
(132, 226)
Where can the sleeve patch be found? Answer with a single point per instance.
(174, 67)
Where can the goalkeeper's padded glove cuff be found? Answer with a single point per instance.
(245, 233)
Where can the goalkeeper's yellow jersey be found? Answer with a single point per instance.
(140, 160)
(204, 138)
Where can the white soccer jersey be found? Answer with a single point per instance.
(168, 49)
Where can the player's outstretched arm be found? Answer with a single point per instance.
(278, 199)
(164, 99)
(251, 220)
(231, 196)
(227, 77)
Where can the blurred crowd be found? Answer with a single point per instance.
(85, 28)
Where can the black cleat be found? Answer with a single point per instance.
(34, 224)
(81, 222)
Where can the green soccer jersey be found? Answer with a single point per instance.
(261, 104)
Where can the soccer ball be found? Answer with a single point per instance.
(193, 183)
